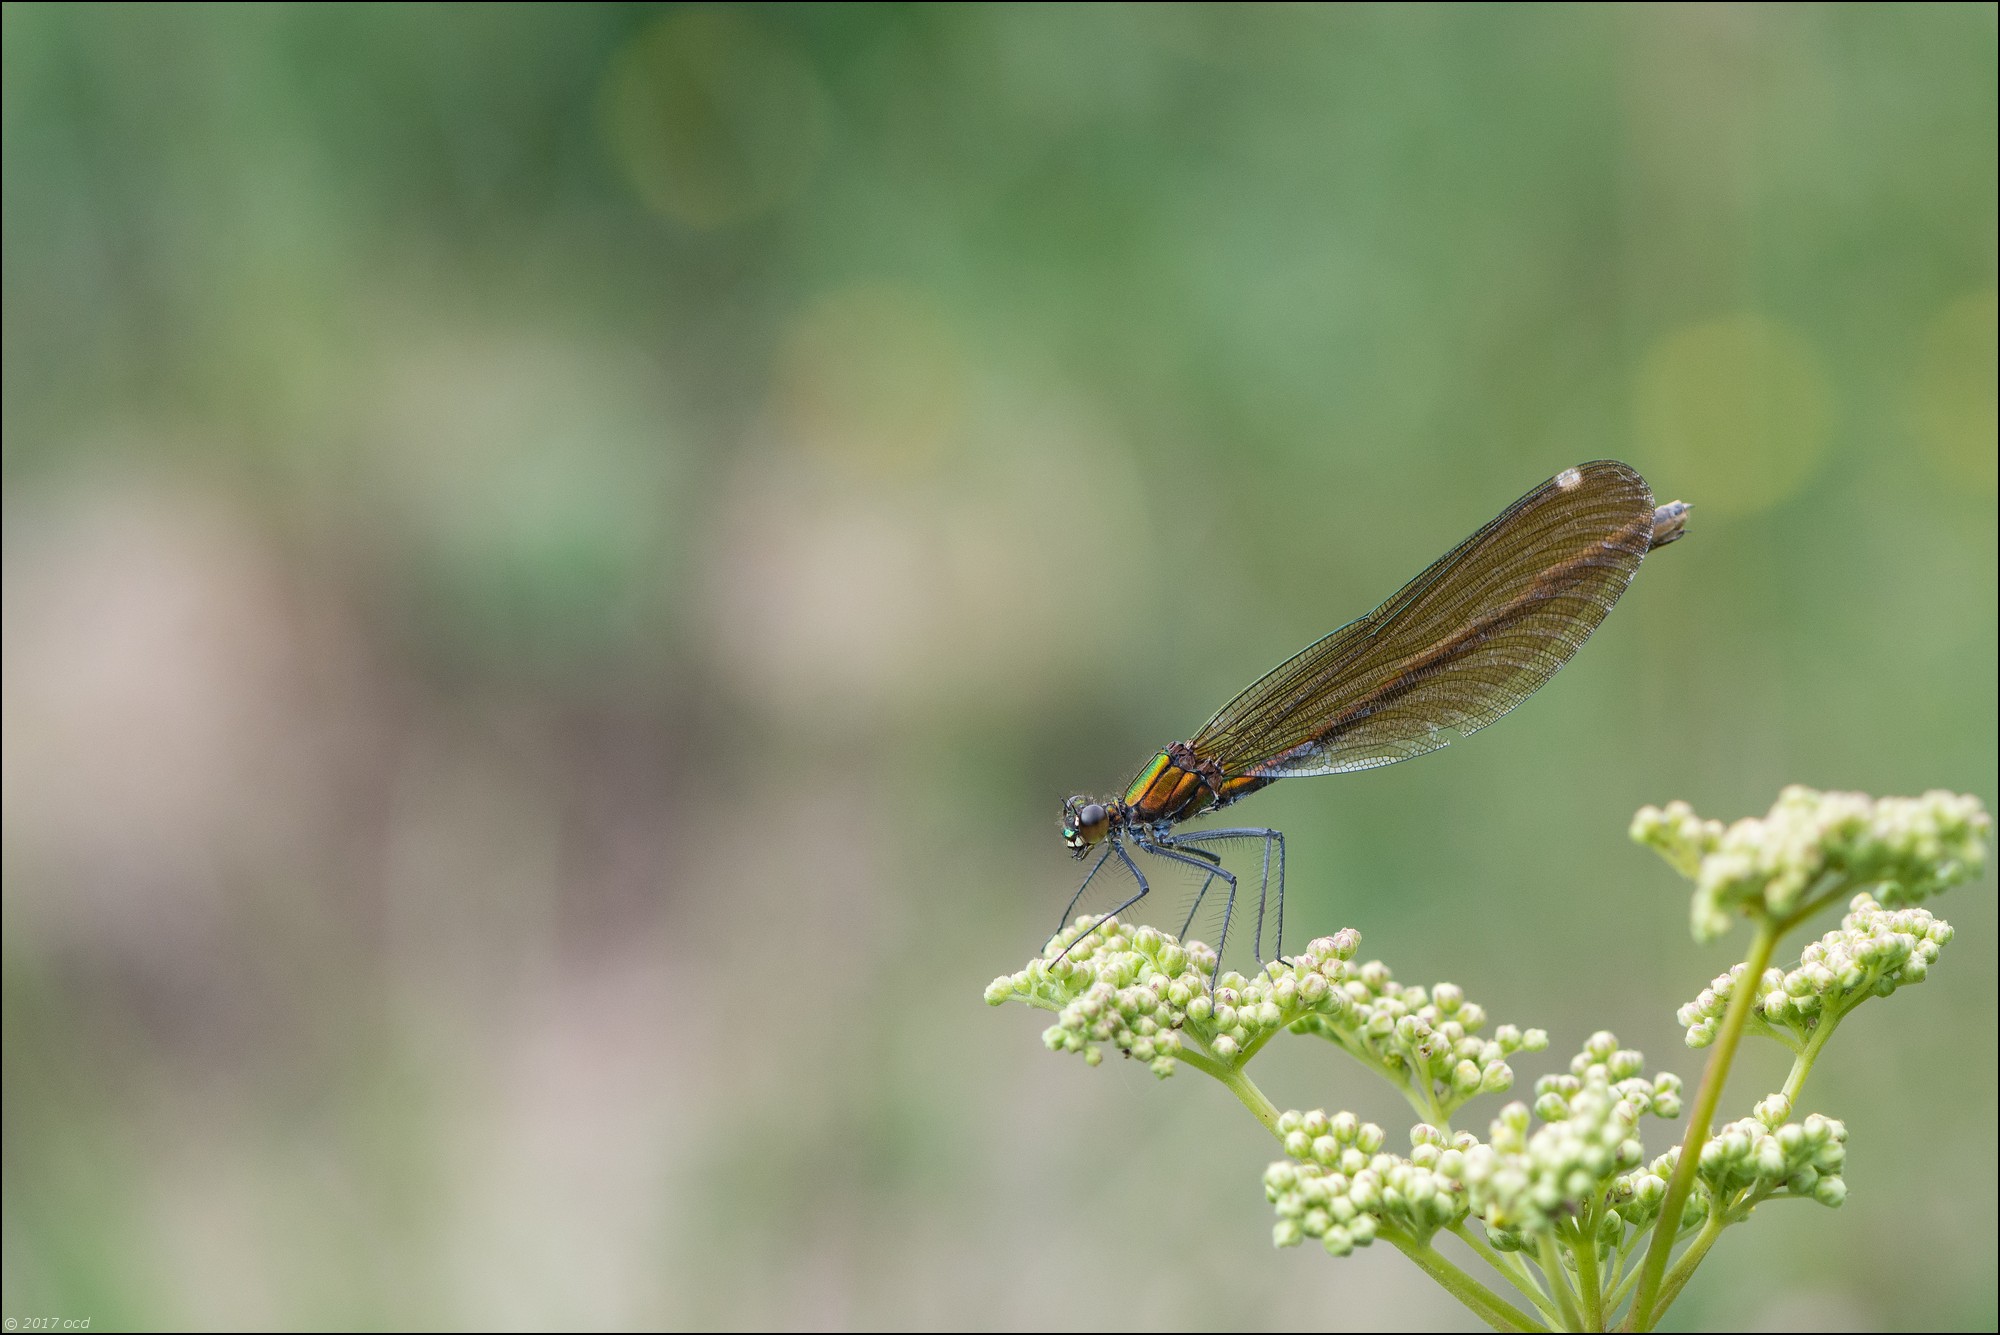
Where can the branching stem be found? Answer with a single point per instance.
(1646, 1305)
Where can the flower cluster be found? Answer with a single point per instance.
(1813, 844)
(1141, 990)
(1585, 1161)
(1587, 1150)
(1427, 1040)
(1340, 1187)
(1875, 951)
(1763, 1155)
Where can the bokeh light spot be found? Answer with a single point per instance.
(712, 118)
(1957, 402)
(1737, 410)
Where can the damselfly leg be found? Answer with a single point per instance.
(1077, 898)
(1211, 868)
(1190, 842)
(1114, 847)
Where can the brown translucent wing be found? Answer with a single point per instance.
(1456, 647)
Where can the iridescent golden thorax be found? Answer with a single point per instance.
(1178, 785)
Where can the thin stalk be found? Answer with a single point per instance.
(1684, 1268)
(1645, 1308)
(1515, 1273)
(1476, 1296)
(1243, 1087)
(1585, 1250)
(1558, 1277)
(1802, 1064)
(1625, 1279)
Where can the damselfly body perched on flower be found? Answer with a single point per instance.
(1476, 633)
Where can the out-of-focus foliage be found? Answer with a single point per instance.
(560, 560)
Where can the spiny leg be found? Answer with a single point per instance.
(1202, 893)
(1137, 875)
(1186, 843)
(1198, 859)
(1073, 899)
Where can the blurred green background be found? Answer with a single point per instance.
(559, 562)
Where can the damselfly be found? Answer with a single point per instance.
(1458, 646)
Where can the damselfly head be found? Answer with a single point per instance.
(1083, 824)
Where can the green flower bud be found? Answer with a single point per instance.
(1910, 848)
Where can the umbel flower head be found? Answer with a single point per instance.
(1588, 1148)
(1875, 951)
(1763, 1155)
(1338, 1185)
(1140, 990)
(1813, 845)
(1144, 993)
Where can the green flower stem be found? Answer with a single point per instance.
(1458, 1284)
(1256, 1045)
(1511, 1269)
(1624, 1287)
(1415, 1091)
(1626, 1278)
(1244, 1088)
(1802, 1064)
(1587, 1282)
(1558, 1277)
(1684, 1268)
(1204, 1063)
(1645, 1308)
